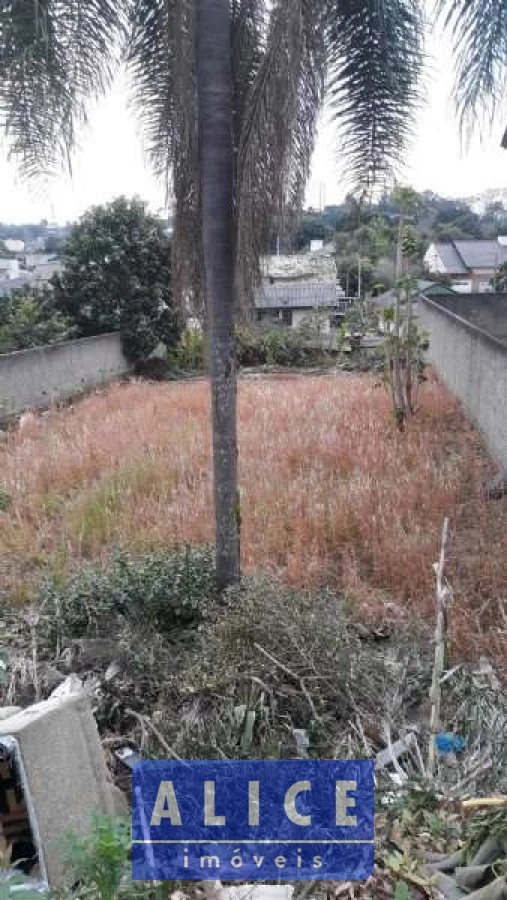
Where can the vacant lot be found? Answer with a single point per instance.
(331, 493)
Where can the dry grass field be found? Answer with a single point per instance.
(331, 493)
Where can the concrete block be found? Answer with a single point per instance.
(256, 892)
(66, 776)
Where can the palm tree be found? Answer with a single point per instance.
(229, 92)
(215, 122)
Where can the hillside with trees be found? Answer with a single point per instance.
(370, 232)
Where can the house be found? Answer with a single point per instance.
(9, 269)
(471, 265)
(291, 303)
(428, 288)
(13, 246)
(37, 277)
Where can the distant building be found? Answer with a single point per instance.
(471, 265)
(14, 246)
(291, 304)
(9, 269)
(24, 278)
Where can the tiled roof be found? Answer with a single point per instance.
(481, 254)
(459, 257)
(297, 296)
(453, 263)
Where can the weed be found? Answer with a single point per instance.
(336, 495)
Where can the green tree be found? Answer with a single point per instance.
(56, 55)
(29, 319)
(117, 277)
(499, 282)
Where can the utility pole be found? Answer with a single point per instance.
(359, 276)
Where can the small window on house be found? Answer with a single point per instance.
(287, 316)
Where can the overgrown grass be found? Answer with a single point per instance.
(331, 493)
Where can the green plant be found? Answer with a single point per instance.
(116, 276)
(152, 369)
(164, 590)
(5, 500)
(250, 348)
(100, 863)
(402, 891)
(188, 354)
(404, 347)
(99, 859)
(29, 319)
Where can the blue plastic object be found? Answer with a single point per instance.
(447, 742)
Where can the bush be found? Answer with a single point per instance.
(289, 347)
(250, 348)
(28, 319)
(189, 353)
(99, 859)
(100, 863)
(295, 659)
(152, 369)
(164, 591)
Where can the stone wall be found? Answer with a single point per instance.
(35, 379)
(471, 359)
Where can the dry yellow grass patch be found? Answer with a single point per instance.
(331, 492)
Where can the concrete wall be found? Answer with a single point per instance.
(472, 363)
(35, 379)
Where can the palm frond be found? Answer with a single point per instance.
(479, 29)
(54, 56)
(160, 59)
(375, 55)
(277, 131)
(248, 29)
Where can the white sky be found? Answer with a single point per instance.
(111, 159)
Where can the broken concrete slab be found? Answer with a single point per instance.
(65, 776)
(256, 892)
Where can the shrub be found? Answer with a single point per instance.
(99, 859)
(294, 659)
(250, 348)
(5, 500)
(290, 347)
(100, 863)
(152, 369)
(189, 353)
(28, 319)
(165, 591)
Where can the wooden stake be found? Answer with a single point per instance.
(442, 597)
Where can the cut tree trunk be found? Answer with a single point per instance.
(215, 97)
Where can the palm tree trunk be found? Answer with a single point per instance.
(214, 85)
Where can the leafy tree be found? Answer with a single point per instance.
(349, 271)
(271, 61)
(117, 277)
(29, 319)
(499, 282)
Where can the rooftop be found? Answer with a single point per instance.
(298, 296)
(459, 257)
